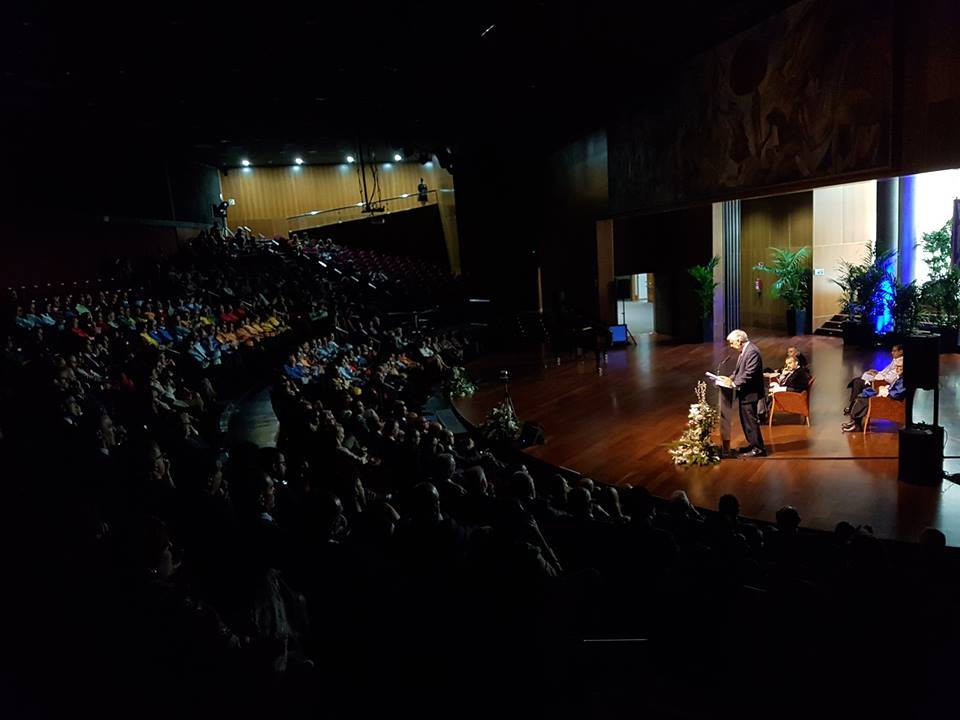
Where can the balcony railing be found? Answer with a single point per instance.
(357, 211)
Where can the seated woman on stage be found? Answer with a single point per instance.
(895, 391)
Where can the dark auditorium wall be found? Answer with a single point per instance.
(783, 221)
(666, 244)
(520, 212)
(927, 90)
(500, 223)
(59, 252)
(577, 193)
(67, 224)
(115, 183)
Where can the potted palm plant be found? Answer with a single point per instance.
(940, 294)
(792, 284)
(867, 294)
(704, 286)
(906, 309)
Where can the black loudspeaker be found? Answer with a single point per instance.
(921, 454)
(921, 362)
(532, 434)
(623, 289)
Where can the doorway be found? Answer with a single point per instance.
(635, 303)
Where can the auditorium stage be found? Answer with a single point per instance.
(612, 428)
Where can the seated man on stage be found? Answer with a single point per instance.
(895, 391)
(793, 377)
(794, 352)
(888, 374)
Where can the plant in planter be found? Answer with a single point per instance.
(940, 294)
(695, 446)
(501, 424)
(906, 308)
(792, 284)
(459, 384)
(704, 289)
(867, 294)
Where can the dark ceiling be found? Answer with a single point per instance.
(219, 82)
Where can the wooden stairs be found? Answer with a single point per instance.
(832, 327)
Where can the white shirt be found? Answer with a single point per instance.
(889, 373)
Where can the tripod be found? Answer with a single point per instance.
(506, 396)
(623, 321)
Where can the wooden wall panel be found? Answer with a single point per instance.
(266, 196)
(844, 222)
(606, 304)
(783, 221)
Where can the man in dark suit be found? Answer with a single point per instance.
(749, 382)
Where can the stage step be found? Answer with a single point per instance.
(832, 327)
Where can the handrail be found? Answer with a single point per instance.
(314, 213)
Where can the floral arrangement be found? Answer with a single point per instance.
(694, 446)
(501, 424)
(459, 384)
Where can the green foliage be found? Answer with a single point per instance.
(501, 424)
(936, 247)
(459, 384)
(940, 295)
(906, 307)
(694, 446)
(705, 285)
(865, 286)
(793, 276)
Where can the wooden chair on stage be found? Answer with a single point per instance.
(884, 408)
(788, 401)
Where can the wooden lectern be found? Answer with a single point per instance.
(727, 396)
(725, 404)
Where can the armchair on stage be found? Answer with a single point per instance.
(788, 401)
(884, 408)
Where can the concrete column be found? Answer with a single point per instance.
(906, 238)
(888, 214)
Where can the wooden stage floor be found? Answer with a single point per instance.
(612, 428)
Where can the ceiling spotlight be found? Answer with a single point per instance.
(245, 162)
(299, 161)
(351, 158)
(397, 157)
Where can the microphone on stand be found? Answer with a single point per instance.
(721, 363)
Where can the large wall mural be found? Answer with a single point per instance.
(804, 95)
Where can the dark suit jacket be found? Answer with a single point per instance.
(797, 381)
(748, 376)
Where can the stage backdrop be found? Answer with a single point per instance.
(802, 97)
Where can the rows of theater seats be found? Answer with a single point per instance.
(374, 563)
